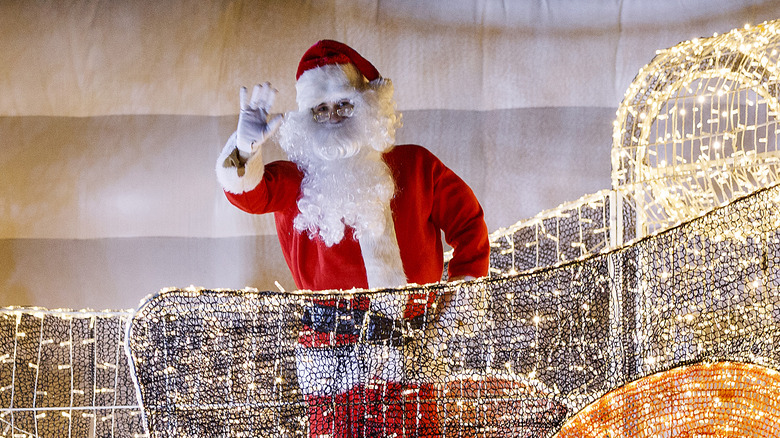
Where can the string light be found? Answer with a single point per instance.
(722, 75)
(65, 373)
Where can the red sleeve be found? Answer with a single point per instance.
(458, 213)
(278, 190)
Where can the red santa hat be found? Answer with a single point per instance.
(330, 71)
(328, 52)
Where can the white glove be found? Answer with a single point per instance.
(254, 126)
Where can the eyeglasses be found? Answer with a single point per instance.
(323, 112)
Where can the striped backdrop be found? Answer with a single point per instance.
(112, 115)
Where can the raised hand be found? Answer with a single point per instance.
(254, 126)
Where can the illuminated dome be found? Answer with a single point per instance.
(698, 126)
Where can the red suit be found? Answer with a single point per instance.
(429, 199)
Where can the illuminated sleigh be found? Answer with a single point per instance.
(551, 342)
(649, 309)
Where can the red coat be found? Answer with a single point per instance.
(429, 199)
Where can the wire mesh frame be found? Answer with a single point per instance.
(697, 126)
(65, 374)
(574, 230)
(705, 291)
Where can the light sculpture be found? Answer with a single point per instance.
(698, 126)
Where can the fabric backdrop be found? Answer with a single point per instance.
(112, 115)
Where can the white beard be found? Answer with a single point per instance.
(347, 183)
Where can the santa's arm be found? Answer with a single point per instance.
(460, 216)
(457, 212)
(240, 165)
(238, 172)
(461, 310)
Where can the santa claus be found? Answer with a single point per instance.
(353, 210)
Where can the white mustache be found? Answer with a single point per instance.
(335, 145)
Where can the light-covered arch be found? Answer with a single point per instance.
(698, 126)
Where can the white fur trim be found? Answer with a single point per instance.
(228, 177)
(382, 257)
(336, 370)
(327, 371)
(383, 87)
(329, 83)
(384, 269)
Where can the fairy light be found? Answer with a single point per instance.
(60, 366)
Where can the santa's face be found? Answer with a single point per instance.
(333, 133)
(309, 142)
(337, 138)
(339, 113)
